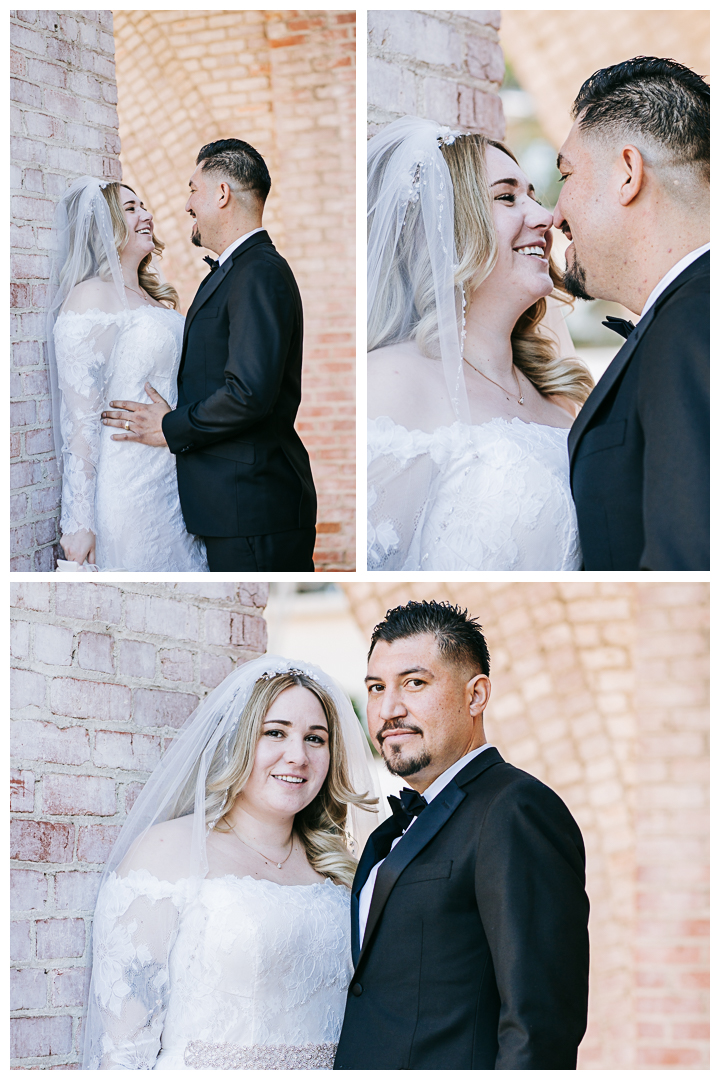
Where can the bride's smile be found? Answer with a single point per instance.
(521, 274)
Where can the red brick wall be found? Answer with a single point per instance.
(101, 679)
(63, 124)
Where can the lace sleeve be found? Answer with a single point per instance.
(136, 923)
(401, 474)
(83, 348)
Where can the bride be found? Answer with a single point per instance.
(470, 398)
(221, 935)
(112, 328)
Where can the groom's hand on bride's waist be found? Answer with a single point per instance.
(138, 422)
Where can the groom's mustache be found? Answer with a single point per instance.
(396, 725)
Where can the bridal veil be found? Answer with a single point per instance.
(411, 229)
(86, 303)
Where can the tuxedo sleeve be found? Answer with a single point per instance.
(530, 890)
(674, 408)
(262, 315)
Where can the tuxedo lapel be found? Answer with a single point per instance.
(624, 356)
(428, 824)
(376, 848)
(210, 283)
(206, 289)
(419, 836)
(608, 379)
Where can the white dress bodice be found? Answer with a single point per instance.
(492, 496)
(124, 492)
(185, 973)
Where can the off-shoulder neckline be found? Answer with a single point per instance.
(224, 877)
(125, 311)
(471, 427)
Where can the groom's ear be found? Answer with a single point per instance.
(632, 172)
(479, 691)
(224, 193)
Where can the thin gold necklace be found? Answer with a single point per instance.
(258, 852)
(520, 400)
(130, 289)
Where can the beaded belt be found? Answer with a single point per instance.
(202, 1055)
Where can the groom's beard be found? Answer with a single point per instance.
(394, 760)
(574, 280)
(195, 236)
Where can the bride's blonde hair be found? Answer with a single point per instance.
(147, 277)
(321, 825)
(410, 279)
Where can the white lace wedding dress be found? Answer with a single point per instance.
(124, 492)
(492, 496)
(232, 973)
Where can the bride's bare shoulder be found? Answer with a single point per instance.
(401, 382)
(163, 850)
(90, 294)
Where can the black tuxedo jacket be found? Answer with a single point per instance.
(640, 447)
(242, 469)
(475, 954)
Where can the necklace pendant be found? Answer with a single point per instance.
(279, 866)
(521, 401)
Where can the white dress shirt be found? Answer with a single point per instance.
(365, 898)
(674, 272)
(236, 244)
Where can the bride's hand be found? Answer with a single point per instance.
(79, 546)
(140, 423)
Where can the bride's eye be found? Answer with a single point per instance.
(274, 731)
(508, 197)
(317, 739)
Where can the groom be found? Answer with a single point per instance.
(635, 203)
(469, 913)
(243, 474)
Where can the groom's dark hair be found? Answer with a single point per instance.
(661, 99)
(240, 162)
(458, 635)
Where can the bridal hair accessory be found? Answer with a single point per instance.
(446, 136)
(411, 245)
(267, 675)
(83, 247)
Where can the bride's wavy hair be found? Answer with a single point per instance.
(164, 293)
(410, 286)
(320, 826)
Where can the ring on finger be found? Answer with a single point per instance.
(127, 425)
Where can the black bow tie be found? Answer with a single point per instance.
(408, 806)
(212, 263)
(623, 327)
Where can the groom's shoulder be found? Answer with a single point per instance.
(261, 260)
(689, 293)
(504, 786)
(681, 322)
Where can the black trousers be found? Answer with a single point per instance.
(290, 551)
